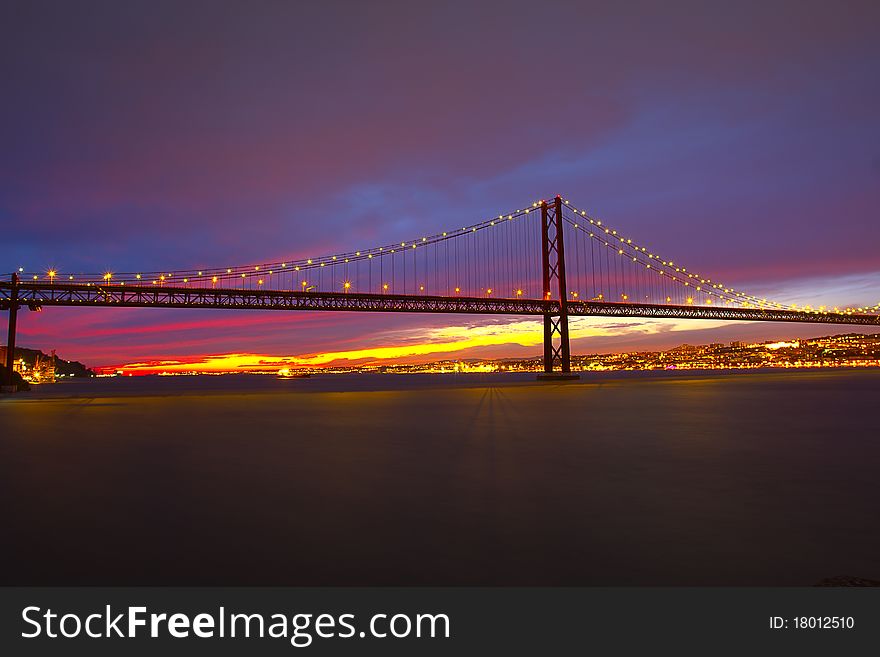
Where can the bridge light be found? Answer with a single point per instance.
(213, 279)
(668, 299)
(138, 277)
(323, 263)
(35, 277)
(296, 268)
(370, 255)
(519, 293)
(20, 269)
(304, 283)
(414, 246)
(690, 299)
(625, 297)
(334, 257)
(708, 301)
(283, 265)
(257, 268)
(186, 280)
(70, 278)
(385, 286)
(308, 262)
(200, 273)
(347, 285)
(489, 291)
(228, 271)
(457, 290)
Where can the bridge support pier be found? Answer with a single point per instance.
(7, 384)
(557, 354)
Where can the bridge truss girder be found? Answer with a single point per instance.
(83, 296)
(555, 312)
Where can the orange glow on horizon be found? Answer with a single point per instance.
(465, 341)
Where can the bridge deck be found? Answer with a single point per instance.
(128, 296)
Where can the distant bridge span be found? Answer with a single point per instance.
(505, 265)
(37, 295)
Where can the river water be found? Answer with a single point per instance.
(682, 478)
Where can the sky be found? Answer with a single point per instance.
(742, 138)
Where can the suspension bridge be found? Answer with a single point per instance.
(549, 259)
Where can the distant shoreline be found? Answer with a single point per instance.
(362, 382)
(841, 350)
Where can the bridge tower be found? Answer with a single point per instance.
(557, 354)
(7, 383)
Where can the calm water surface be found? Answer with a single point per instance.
(753, 478)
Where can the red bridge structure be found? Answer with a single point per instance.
(549, 259)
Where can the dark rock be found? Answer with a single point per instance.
(845, 580)
(17, 381)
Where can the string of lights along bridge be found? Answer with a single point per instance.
(549, 258)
